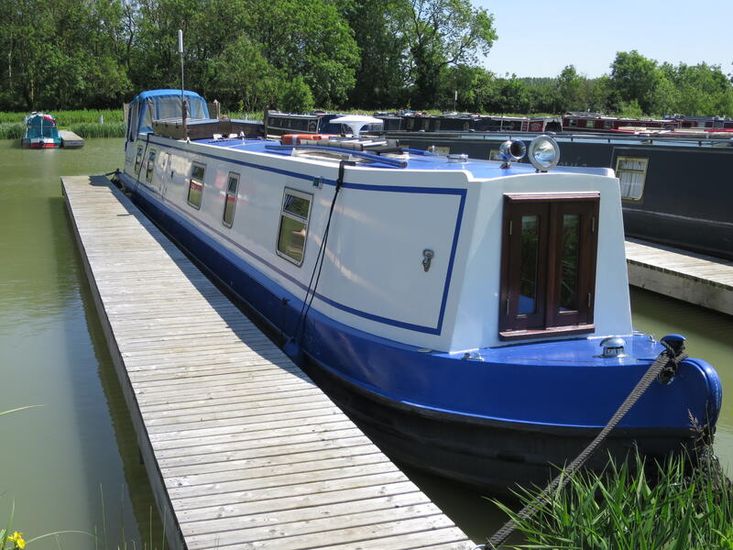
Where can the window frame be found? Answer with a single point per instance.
(548, 318)
(139, 159)
(624, 171)
(227, 195)
(150, 166)
(287, 214)
(196, 182)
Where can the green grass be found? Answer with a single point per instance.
(67, 118)
(11, 130)
(638, 507)
(95, 130)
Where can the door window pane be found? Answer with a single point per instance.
(569, 247)
(528, 266)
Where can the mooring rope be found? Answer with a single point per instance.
(657, 367)
(318, 265)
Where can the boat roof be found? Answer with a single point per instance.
(415, 160)
(167, 92)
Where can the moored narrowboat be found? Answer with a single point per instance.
(472, 316)
(41, 132)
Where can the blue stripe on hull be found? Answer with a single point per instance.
(511, 393)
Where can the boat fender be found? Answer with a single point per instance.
(295, 139)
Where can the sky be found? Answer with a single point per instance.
(541, 37)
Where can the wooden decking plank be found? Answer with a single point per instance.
(353, 442)
(184, 473)
(316, 526)
(242, 449)
(344, 484)
(694, 278)
(354, 535)
(253, 474)
(288, 515)
(262, 506)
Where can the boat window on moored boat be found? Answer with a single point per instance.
(196, 185)
(631, 174)
(293, 225)
(548, 264)
(230, 202)
(149, 167)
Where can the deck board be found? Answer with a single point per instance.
(241, 448)
(694, 278)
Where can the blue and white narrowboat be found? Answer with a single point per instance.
(472, 316)
(40, 132)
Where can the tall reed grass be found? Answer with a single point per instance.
(66, 118)
(635, 506)
(11, 130)
(95, 130)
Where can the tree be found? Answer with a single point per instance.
(381, 78)
(240, 76)
(569, 88)
(474, 87)
(439, 34)
(635, 77)
(307, 39)
(701, 90)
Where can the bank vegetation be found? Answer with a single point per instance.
(334, 54)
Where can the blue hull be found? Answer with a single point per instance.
(501, 416)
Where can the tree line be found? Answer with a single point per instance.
(294, 55)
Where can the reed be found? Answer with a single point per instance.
(66, 118)
(11, 130)
(96, 130)
(635, 505)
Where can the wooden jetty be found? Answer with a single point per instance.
(241, 448)
(70, 140)
(687, 276)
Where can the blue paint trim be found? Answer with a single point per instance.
(288, 173)
(426, 329)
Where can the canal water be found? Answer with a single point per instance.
(69, 465)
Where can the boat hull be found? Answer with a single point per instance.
(489, 455)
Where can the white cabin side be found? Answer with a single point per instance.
(385, 220)
(373, 278)
(479, 303)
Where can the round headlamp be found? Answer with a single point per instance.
(544, 153)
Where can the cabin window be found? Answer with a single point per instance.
(548, 264)
(293, 225)
(631, 173)
(230, 202)
(149, 167)
(138, 159)
(196, 185)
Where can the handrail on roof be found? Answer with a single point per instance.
(391, 162)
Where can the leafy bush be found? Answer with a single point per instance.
(296, 97)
